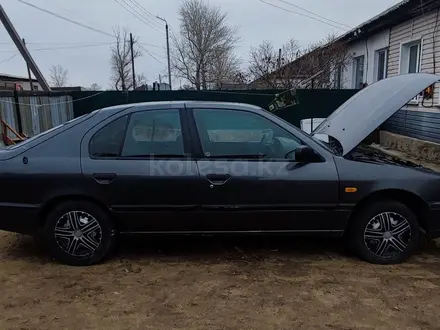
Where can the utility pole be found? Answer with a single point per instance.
(168, 50)
(29, 70)
(132, 61)
(279, 59)
(23, 50)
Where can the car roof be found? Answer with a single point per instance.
(180, 104)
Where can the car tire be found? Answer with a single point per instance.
(384, 232)
(79, 233)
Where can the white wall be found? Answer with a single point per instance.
(419, 28)
(367, 48)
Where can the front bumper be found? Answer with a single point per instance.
(19, 218)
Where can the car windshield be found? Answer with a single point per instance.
(35, 137)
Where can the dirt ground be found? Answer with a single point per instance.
(218, 283)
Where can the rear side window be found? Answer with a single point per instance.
(107, 142)
(154, 133)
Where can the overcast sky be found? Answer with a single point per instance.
(89, 62)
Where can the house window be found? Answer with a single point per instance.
(381, 64)
(358, 69)
(338, 77)
(410, 58)
(414, 59)
(410, 55)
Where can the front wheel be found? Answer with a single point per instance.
(78, 233)
(384, 232)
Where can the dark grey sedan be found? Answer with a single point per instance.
(219, 168)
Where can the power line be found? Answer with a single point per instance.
(72, 43)
(67, 19)
(75, 14)
(132, 11)
(8, 59)
(151, 45)
(48, 104)
(152, 19)
(65, 42)
(145, 19)
(149, 53)
(71, 47)
(64, 47)
(162, 56)
(145, 10)
(311, 12)
(305, 15)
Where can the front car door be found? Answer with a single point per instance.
(250, 185)
(136, 163)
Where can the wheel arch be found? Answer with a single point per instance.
(50, 204)
(411, 200)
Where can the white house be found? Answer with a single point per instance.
(367, 61)
(403, 39)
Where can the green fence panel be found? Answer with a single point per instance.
(312, 103)
(315, 103)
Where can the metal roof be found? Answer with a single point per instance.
(400, 12)
(14, 77)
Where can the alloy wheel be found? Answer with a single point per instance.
(387, 234)
(78, 233)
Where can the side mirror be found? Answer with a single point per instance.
(303, 154)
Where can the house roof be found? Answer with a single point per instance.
(392, 16)
(10, 77)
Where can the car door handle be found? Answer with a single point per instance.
(104, 178)
(218, 179)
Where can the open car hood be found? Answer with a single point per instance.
(360, 115)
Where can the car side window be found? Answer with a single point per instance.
(241, 134)
(154, 133)
(107, 142)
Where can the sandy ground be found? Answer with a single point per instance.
(218, 283)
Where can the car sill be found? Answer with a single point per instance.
(221, 232)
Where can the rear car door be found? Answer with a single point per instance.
(249, 185)
(137, 165)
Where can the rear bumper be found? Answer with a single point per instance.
(19, 218)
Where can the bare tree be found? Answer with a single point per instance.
(205, 39)
(120, 60)
(224, 70)
(141, 80)
(58, 76)
(94, 87)
(271, 70)
(325, 62)
(318, 65)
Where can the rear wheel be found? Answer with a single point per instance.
(384, 232)
(78, 233)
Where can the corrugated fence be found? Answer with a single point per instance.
(417, 124)
(32, 113)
